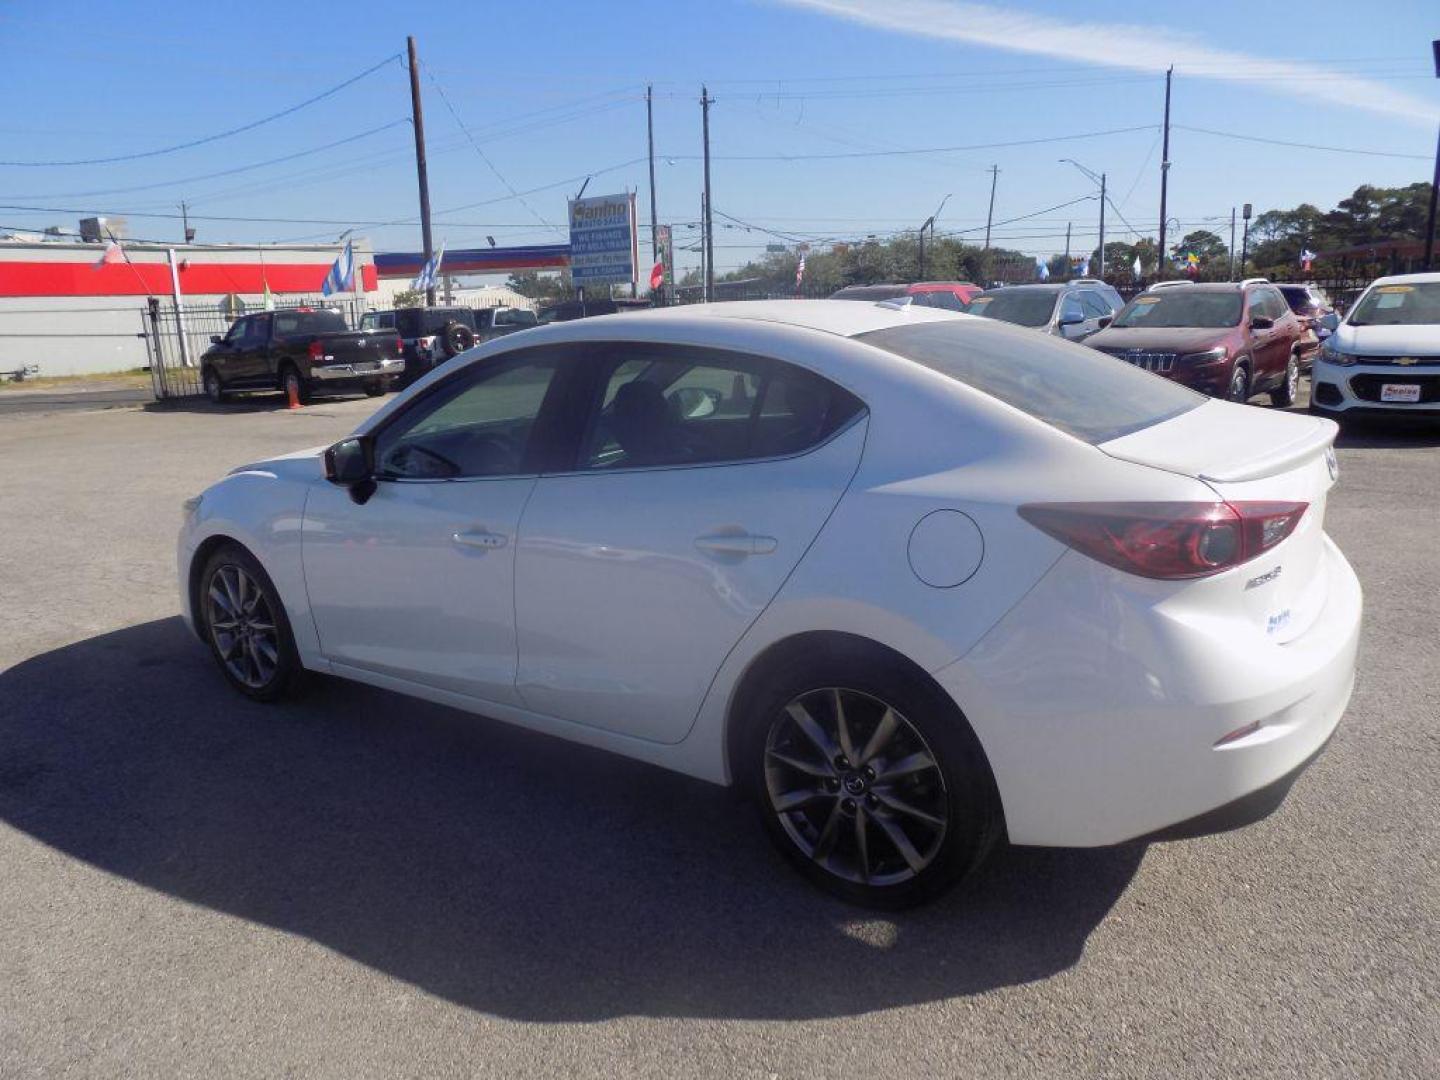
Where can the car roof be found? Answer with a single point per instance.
(1407, 279)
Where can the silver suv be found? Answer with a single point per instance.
(1073, 310)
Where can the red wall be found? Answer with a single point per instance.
(141, 279)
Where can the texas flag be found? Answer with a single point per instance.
(112, 256)
(800, 271)
(1306, 258)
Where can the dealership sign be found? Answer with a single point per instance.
(602, 240)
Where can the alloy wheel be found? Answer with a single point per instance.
(855, 786)
(242, 626)
(1239, 386)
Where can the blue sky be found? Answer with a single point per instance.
(553, 98)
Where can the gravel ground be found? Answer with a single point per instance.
(361, 885)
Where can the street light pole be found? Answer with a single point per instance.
(1435, 182)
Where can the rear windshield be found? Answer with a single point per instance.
(1181, 307)
(1082, 392)
(1399, 305)
(309, 322)
(1019, 306)
(869, 292)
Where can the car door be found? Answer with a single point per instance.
(1271, 345)
(701, 478)
(227, 355)
(418, 582)
(252, 357)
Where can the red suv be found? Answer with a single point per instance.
(950, 295)
(1225, 339)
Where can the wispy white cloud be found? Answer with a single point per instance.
(1118, 45)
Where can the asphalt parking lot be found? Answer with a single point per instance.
(363, 885)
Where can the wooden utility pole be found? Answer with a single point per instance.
(990, 215)
(1067, 246)
(1165, 171)
(421, 173)
(705, 103)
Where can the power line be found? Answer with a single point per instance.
(223, 172)
(914, 150)
(209, 138)
(1301, 145)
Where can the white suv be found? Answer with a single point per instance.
(1385, 356)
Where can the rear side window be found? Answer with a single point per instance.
(1081, 392)
(1094, 304)
(687, 406)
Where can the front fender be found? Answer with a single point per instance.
(262, 510)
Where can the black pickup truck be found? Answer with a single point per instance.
(305, 350)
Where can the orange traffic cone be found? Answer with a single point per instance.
(294, 394)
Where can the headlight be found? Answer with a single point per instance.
(1209, 356)
(1331, 355)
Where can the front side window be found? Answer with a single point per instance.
(1081, 392)
(237, 330)
(1181, 306)
(257, 333)
(1094, 304)
(684, 406)
(477, 423)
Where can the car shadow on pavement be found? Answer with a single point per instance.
(260, 402)
(1388, 434)
(502, 870)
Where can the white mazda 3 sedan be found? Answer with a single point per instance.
(917, 581)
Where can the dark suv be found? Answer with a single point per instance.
(1225, 339)
(1073, 310)
(430, 335)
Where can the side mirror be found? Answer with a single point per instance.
(215, 339)
(1106, 320)
(1330, 321)
(351, 463)
(1071, 318)
(1261, 322)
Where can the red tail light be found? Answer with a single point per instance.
(317, 351)
(1167, 540)
(399, 346)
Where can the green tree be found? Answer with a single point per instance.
(407, 298)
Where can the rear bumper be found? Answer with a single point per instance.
(1100, 713)
(332, 374)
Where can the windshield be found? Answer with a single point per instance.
(309, 322)
(1023, 307)
(1181, 307)
(515, 317)
(1399, 305)
(1081, 392)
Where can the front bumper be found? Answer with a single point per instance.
(1100, 716)
(1356, 390)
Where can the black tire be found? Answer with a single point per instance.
(456, 338)
(1286, 394)
(869, 681)
(302, 385)
(214, 388)
(287, 675)
(374, 389)
(1239, 389)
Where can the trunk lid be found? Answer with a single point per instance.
(1249, 454)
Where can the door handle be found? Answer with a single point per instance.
(736, 544)
(480, 538)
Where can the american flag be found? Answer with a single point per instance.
(800, 271)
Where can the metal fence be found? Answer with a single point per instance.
(177, 337)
